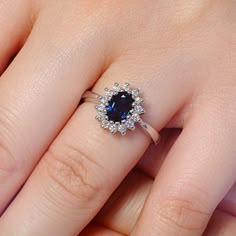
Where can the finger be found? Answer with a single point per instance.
(221, 224)
(154, 157)
(194, 178)
(16, 19)
(85, 164)
(122, 210)
(39, 92)
(229, 202)
(96, 230)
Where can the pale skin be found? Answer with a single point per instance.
(181, 55)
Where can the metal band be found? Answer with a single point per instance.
(93, 97)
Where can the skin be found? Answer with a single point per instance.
(181, 54)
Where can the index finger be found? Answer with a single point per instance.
(37, 98)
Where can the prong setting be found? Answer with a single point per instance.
(108, 102)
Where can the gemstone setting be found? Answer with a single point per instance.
(120, 108)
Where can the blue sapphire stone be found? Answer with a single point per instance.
(119, 106)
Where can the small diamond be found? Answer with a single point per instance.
(135, 92)
(122, 129)
(109, 93)
(116, 90)
(103, 100)
(139, 100)
(139, 109)
(101, 116)
(127, 88)
(130, 124)
(105, 124)
(136, 117)
(116, 87)
(113, 128)
(100, 107)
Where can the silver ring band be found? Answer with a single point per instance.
(112, 98)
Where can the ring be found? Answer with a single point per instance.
(119, 110)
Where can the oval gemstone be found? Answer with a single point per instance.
(119, 106)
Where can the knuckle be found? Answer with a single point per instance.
(187, 12)
(182, 214)
(8, 161)
(74, 172)
(219, 106)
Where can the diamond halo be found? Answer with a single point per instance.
(119, 109)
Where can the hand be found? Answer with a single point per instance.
(181, 54)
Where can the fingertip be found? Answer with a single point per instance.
(16, 21)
